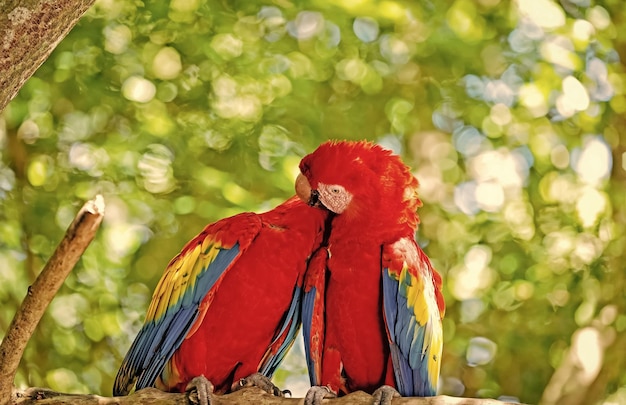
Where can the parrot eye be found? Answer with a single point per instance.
(334, 197)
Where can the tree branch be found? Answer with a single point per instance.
(29, 32)
(246, 396)
(78, 236)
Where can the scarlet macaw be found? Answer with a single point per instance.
(373, 306)
(228, 305)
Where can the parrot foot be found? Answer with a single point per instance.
(384, 395)
(261, 381)
(199, 391)
(317, 393)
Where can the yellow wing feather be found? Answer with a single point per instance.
(414, 301)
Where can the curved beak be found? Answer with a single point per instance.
(305, 192)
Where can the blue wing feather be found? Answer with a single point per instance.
(159, 338)
(412, 319)
(313, 307)
(285, 337)
(307, 319)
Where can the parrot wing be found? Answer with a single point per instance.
(313, 314)
(286, 336)
(413, 308)
(182, 297)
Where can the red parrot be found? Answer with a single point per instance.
(372, 306)
(228, 305)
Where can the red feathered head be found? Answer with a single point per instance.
(360, 181)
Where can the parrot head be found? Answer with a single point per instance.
(359, 179)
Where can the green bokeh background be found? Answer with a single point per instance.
(180, 113)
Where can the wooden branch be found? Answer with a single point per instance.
(246, 396)
(78, 236)
(29, 32)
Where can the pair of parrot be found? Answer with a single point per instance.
(339, 258)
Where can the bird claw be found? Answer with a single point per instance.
(317, 393)
(261, 381)
(384, 395)
(199, 391)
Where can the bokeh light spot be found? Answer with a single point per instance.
(544, 13)
(38, 171)
(366, 29)
(533, 99)
(306, 25)
(471, 279)
(167, 64)
(594, 162)
(574, 98)
(588, 354)
(590, 205)
(559, 156)
(155, 168)
(136, 88)
(599, 17)
(227, 46)
(117, 38)
(500, 114)
(480, 351)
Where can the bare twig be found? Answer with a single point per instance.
(245, 396)
(78, 236)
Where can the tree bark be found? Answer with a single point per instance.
(29, 32)
(246, 396)
(78, 236)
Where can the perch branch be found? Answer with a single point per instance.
(246, 396)
(78, 236)
(29, 32)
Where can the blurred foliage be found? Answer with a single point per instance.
(182, 112)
